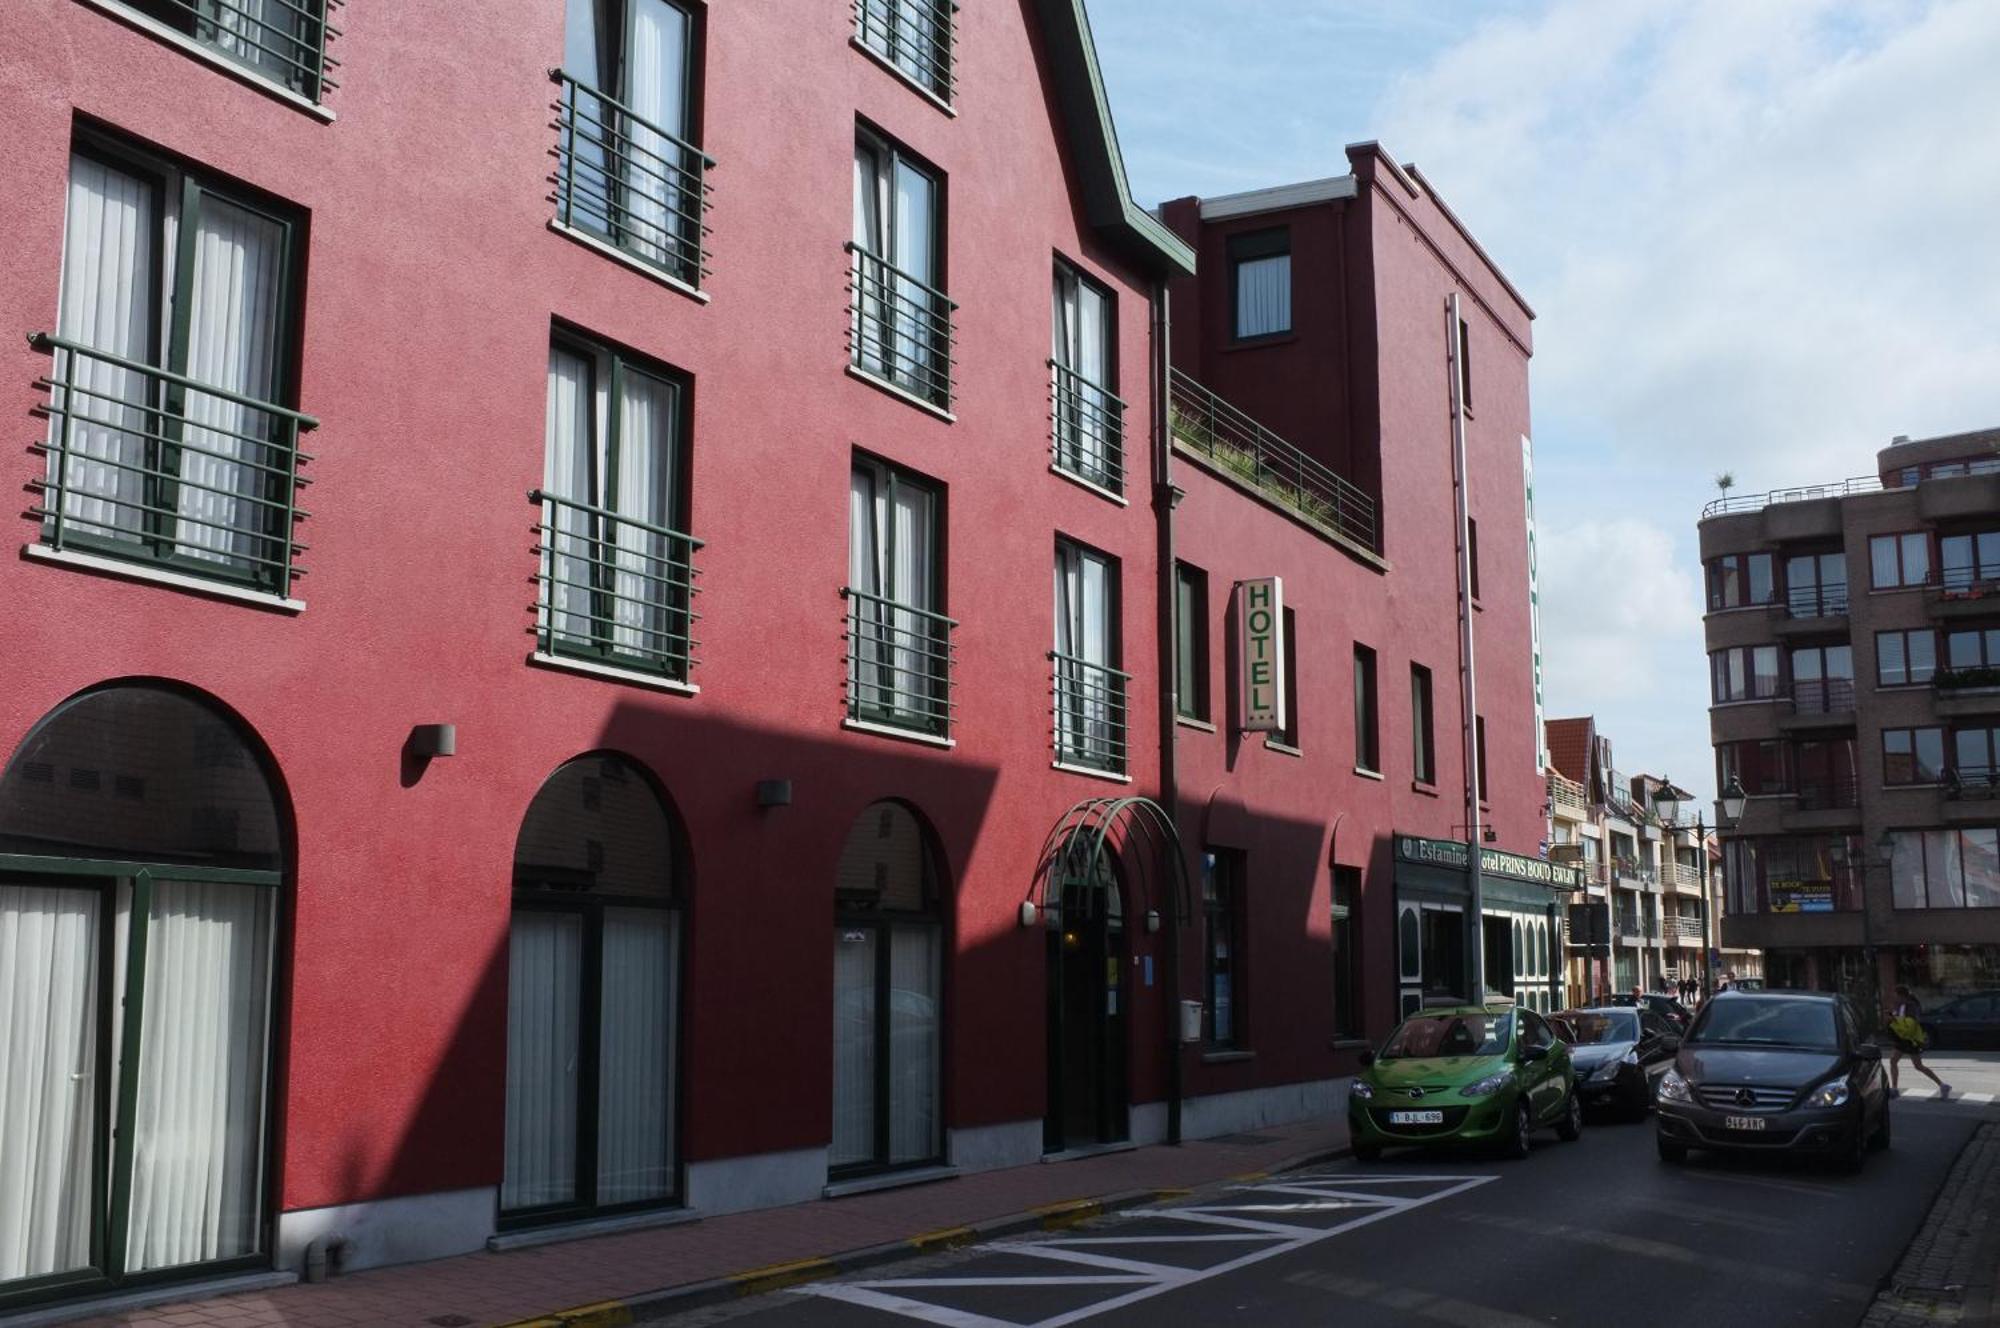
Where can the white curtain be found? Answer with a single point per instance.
(264, 34)
(232, 344)
(567, 607)
(907, 32)
(198, 1124)
(1082, 346)
(1264, 295)
(1083, 632)
(892, 553)
(864, 573)
(915, 209)
(48, 1055)
(913, 1043)
(656, 91)
(583, 142)
(853, 1046)
(636, 1057)
(645, 576)
(107, 301)
(869, 329)
(544, 985)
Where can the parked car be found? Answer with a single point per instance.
(1618, 1053)
(1666, 1007)
(1775, 1071)
(1966, 1024)
(1464, 1075)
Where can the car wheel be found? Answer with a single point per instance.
(1516, 1144)
(1849, 1160)
(1879, 1141)
(1570, 1128)
(1367, 1152)
(1672, 1151)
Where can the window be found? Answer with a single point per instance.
(1089, 428)
(1912, 756)
(1288, 736)
(1367, 725)
(1260, 283)
(190, 462)
(1347, 952)
(1191, 642)
(1744, 673)
(617, 573)
(626, 171)
(1479, 748)
(1823, 679)
(1423, 751)
(1807, 875)
(1827, 777)
(1969, 560)
(1737, 580)
(1760, 767)
(899, 323)
(281, 40)
(898, 639)
(1221, 905)
(1899, 560)
(1972, 655)
(1975, 757)
(1465, 369)
(1090, 690)
(1816, 584)
(1905, 657)
(914, 37)
(1472, 553)
(1945, 868)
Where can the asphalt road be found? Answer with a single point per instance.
(1595, 1232)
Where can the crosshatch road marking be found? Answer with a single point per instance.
(1269, 1218)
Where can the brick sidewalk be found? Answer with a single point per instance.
(486, 1288)
(1948, 1274)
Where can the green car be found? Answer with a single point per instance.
(1466, 1074)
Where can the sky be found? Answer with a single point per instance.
(1760, 237)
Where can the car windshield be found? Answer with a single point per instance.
(1450, 1035)
(1591, 1028)
(1768, 1023)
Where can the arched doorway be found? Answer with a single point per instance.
(593, 978)
(888, 943)
(141, 859)
(1089, 962)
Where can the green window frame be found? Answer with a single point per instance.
(1288, 736)
(1191, 694)
(1367, 712)
(1222, 882)
(900, 321)
(283, 42)
(915, 38)
(899, 640)
(1423, 738)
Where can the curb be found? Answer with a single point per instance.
(649, 1306)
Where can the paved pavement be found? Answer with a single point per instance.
(1949, 1272)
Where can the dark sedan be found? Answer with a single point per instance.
(1666, 1007)
(1618, 1054)
(1775, 1071)
(1966, 1024)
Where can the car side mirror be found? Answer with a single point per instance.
(1366, 1057)
(1670, 1042)
(1534, 1054)
(1868, 1051)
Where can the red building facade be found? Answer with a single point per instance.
(622, 778)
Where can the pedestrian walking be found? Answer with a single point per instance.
(1907, 1038)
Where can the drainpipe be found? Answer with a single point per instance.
(1165, 498)
(1468, 689)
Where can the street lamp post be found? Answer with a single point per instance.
(1884, 855)
(1667, 801)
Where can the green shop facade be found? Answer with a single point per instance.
(1517, 924)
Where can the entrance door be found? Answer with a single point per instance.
(1087, 1003)
(1502, 943)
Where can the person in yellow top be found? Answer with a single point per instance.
(1908, 1037)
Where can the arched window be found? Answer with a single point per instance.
(592, 986)
(887, 945)
(140, 859)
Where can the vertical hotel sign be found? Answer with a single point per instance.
(1260, 607)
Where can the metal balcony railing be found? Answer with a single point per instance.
(614, 589)
(282, 40)
(1086, 429)
(1090, 713)
(626, 180)
(1968, 582)
(1954, 680)
(1629, 929)
(898, 328)
(1817, 601)
(1968, 782)
(1823, 696)
(1757, 502)
(1568, 793)
(1680, 876)
(153, 466)
(1819, 795)
(1685, 929)
(1241, 447)
(899, 661)
(916, 36)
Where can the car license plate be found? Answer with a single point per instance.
(1743, 1122)
(1416, 1118)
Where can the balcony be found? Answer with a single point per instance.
(1810, 603)
(914, 37)
(1836, 794)
(1089, 714)
(1680, 876)
(1629, 929)
(1972, 783)
(147, 466)
(1684, 929)
(285, 43)
(1960, 592)
(1757, 502)
(1250, 454)
(1086, 430)
(1631, 874)
(1819, 703)
(615, 591)
(899, 660)
(1973, 691)
(624, 183)
(899, 330)
(1567, 797)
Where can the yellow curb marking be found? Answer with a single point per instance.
(779, 1275)
(1172, 1192)
(600, 1314)
(1057, 1216)
(1253, 1175)
(946, 1238)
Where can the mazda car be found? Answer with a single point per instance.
(1479, 1075)
(1775, 1072)
(1617, 1054)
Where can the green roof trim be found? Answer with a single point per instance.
(1087, 113)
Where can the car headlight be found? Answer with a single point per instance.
(1361, 1089)
(1490, 1085)
(1673, 1088)
(1833, 1094)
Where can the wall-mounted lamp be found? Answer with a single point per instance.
(774, 793)
(429, 740)
(1152, 920)
(1027, 912)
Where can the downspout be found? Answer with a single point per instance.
(1468, 679)
(1165, 497)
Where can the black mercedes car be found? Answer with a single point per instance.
(1775, 1071)
(1618, 1053)
(1968, 1023)
(1664, 1006)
